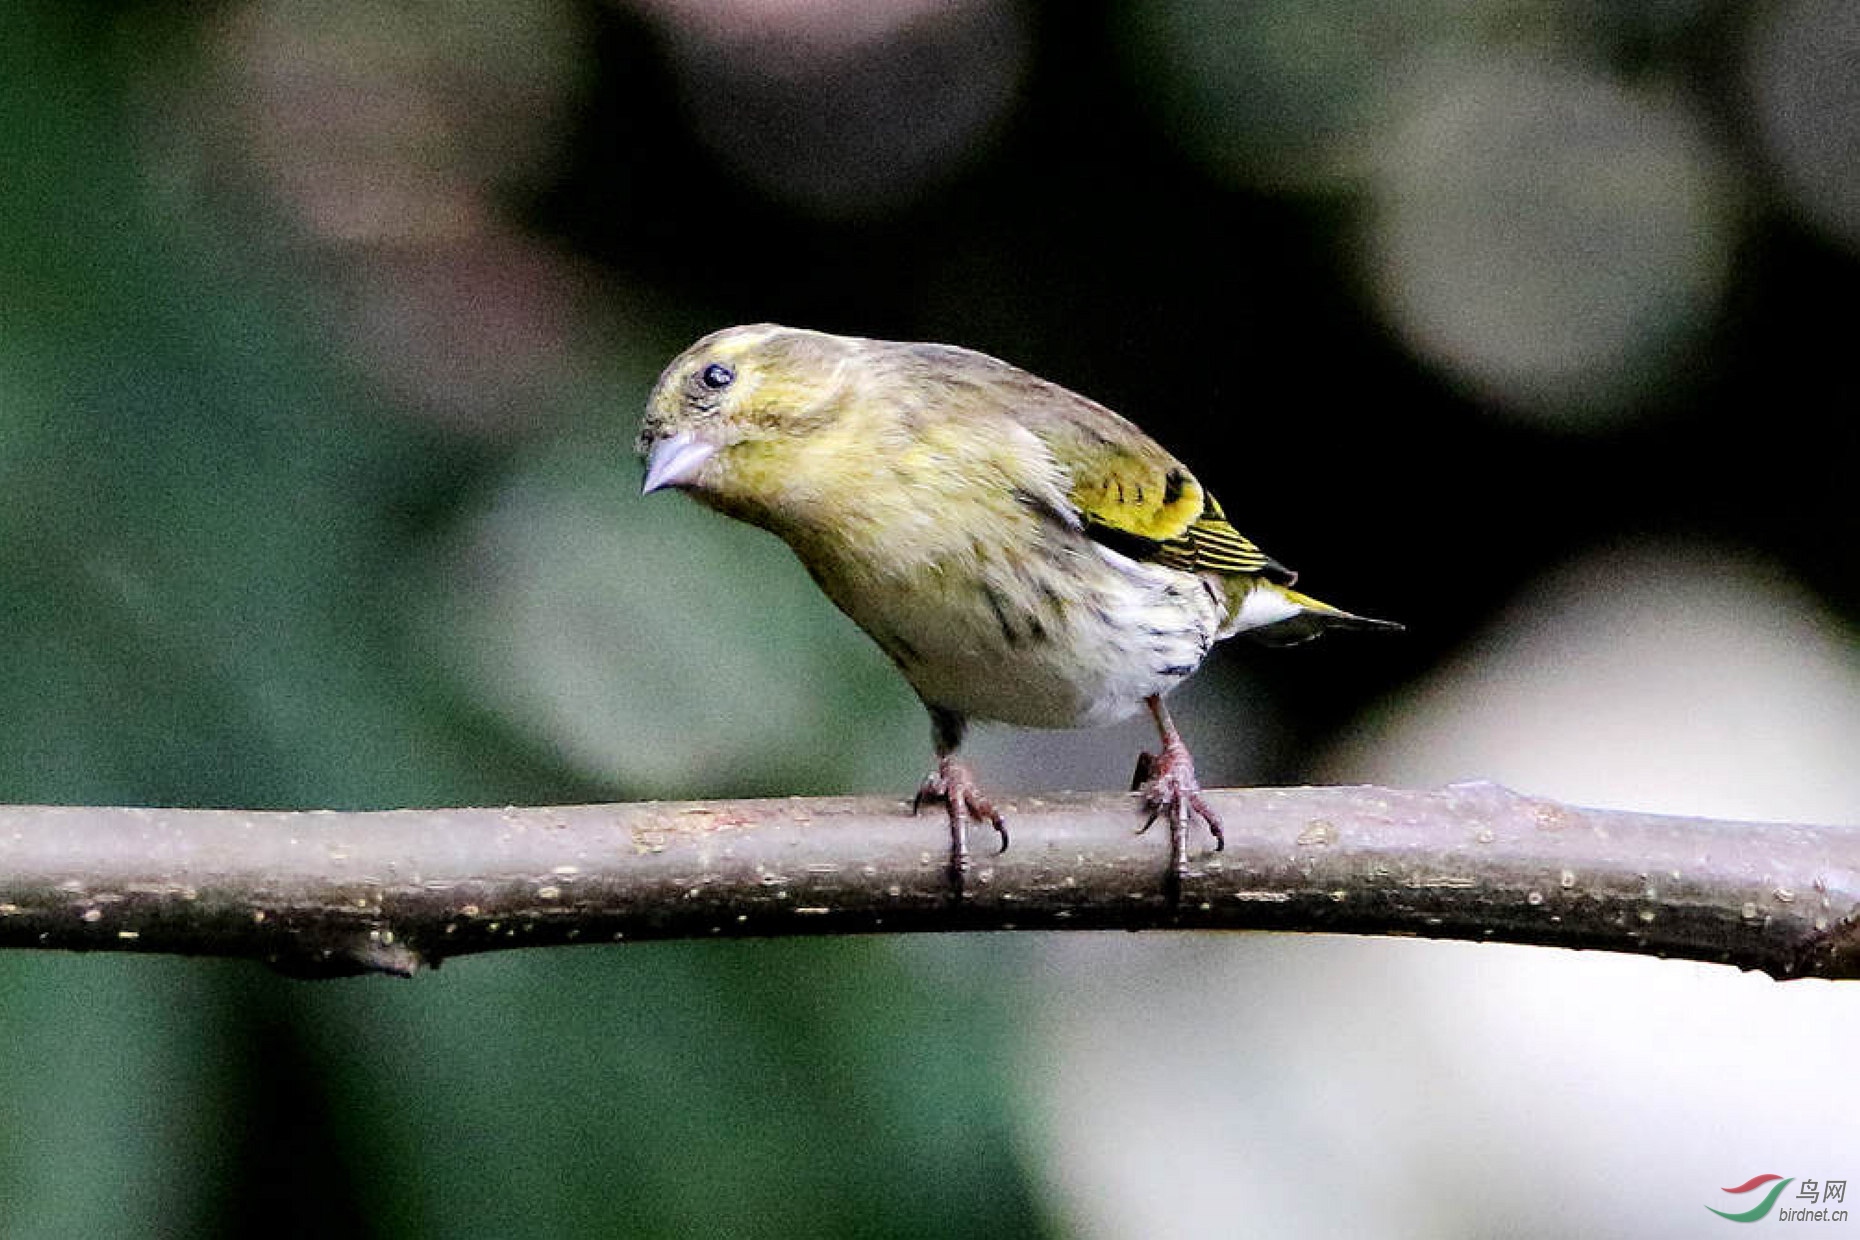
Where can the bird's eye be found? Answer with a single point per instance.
(717, 376)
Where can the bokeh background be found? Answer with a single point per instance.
(323, 333)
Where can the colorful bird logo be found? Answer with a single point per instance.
(1762, 1208)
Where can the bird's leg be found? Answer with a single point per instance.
(1167, 781)
(953, 783)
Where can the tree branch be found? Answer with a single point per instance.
(322, 893)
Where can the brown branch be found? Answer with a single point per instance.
(324, 893)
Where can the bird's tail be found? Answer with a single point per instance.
(1277, 615)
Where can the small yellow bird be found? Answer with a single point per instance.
(1021, 553)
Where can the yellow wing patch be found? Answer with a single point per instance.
(1167, 519)
(1133, 498)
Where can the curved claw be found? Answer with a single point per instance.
(954, 785)
(1212, 820)
(1167, 781)
(1183, 805)
(1155, 813)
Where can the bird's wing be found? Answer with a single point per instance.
(1134, 497)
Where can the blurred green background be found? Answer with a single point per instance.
(323, 334)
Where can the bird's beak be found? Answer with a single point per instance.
(675, 460)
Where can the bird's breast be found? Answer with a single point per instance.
(1048, 629)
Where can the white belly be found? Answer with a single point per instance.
(1034, 646)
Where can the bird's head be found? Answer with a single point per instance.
(730, 416)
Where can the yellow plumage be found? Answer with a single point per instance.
(1020, 552)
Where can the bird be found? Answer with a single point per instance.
(1020, 552)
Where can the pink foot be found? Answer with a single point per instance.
(954, 785)
(1167, 781)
